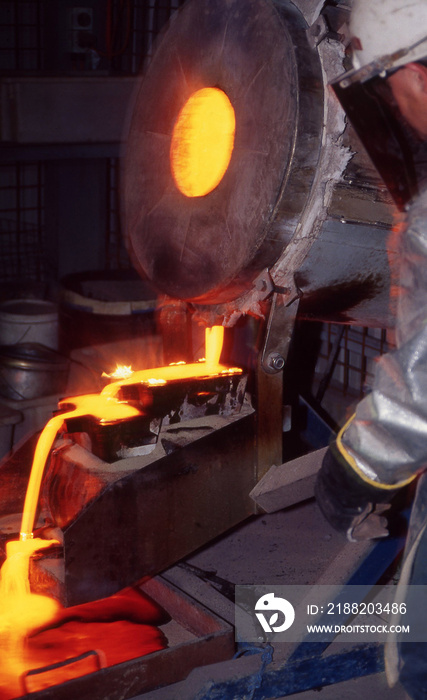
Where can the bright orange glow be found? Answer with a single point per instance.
(202, 142)
(103, 408)
(107, 408)
(210, 367)
(25, 647)
(214, 339)
(20, 610)
(42, 450)
(121, 372)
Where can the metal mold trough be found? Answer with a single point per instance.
(196, 637)
(139, 515)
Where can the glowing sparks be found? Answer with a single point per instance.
(122, 372)
(210, 367)
(202, 142)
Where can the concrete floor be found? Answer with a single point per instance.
(295, 546)
(370, 688)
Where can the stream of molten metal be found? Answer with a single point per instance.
(20, 610)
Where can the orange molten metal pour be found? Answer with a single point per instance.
(20, 610)
(108, 408)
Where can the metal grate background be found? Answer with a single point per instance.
(134, 27)
(347, 356)
(116, 255)
(22, 245)
(125, 34)
(22, 48)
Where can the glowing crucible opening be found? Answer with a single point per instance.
(202, 142)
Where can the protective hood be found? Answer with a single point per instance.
(399, 155)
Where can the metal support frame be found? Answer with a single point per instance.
(278, 336)
(295, 677)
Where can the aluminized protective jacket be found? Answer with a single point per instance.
(386, 440)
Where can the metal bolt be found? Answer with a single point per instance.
(275, 361)
(261, 285)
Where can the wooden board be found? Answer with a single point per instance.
(289, 483)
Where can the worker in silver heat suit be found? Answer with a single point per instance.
(384, 445)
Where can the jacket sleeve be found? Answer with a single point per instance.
(385, 443)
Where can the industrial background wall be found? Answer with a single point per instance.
(67, 188)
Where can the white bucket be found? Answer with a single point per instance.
(29, 321)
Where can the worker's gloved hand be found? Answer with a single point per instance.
(372, 524)
(350, 504)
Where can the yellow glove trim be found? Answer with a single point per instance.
(352, 462)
